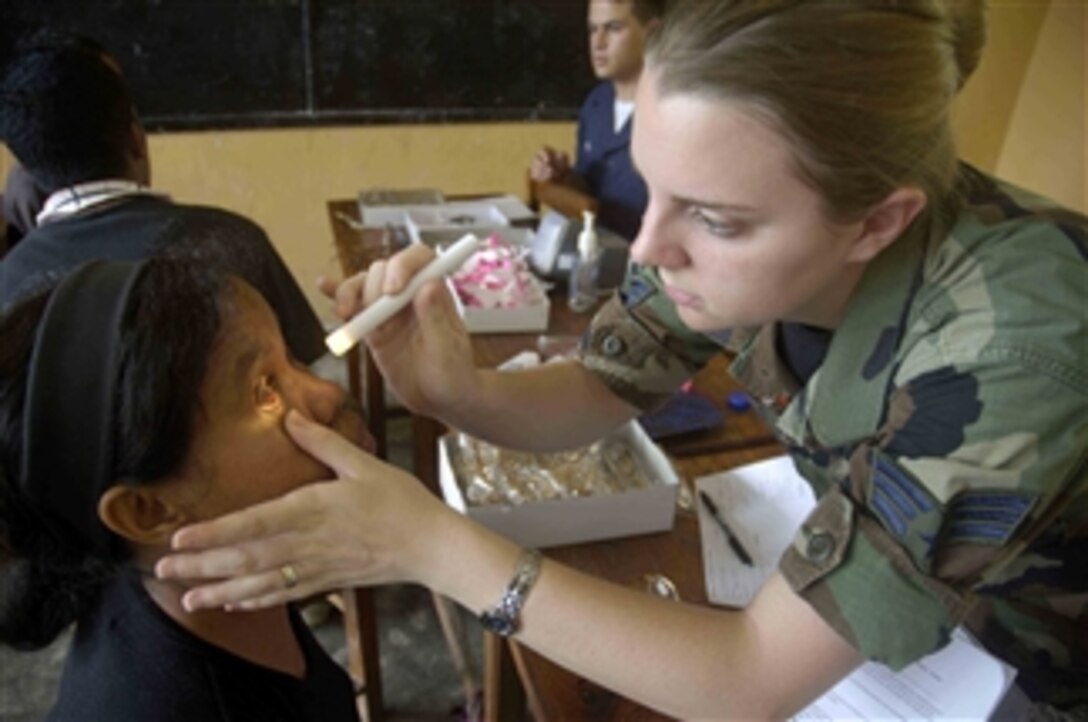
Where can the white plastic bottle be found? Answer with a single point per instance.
(583, 288)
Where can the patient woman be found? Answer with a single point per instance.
(134, 399)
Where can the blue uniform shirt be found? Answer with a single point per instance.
(604, 160)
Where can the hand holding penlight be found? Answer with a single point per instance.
(342, 339)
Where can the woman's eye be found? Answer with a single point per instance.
(267, 394)
(715, 226)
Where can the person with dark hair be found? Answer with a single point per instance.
(67, 116)
(171, 411)
(912, 329)
(618, 30)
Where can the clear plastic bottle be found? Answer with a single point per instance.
(583, 288)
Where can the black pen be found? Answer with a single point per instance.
(730, 537)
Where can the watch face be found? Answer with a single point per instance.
(500, 624)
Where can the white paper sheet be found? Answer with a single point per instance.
(961, 681)
(764, 504)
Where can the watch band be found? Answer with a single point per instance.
(504, 618)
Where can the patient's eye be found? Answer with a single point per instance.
(267, 393)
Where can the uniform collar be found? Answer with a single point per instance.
(74, 199)
(849, 389)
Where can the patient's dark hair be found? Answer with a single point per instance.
(48, 578)
(65, 109)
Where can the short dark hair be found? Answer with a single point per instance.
(647, 10)
(65, 109)
(48, 578)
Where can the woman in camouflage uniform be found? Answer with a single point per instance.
(914, 330)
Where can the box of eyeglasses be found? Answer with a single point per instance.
(622, 485)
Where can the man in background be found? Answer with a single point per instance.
(67, 115)
(617, 35)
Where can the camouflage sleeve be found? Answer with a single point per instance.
(638, 346)
(952, 508)
(969, 503)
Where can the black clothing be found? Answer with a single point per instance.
(803, 348)
(137, 227)
(130, 661)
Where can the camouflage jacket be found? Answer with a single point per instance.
(945, 434)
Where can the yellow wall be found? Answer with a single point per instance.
(282, 178)
(984, 108)
(1022, 114)
(1047, 127)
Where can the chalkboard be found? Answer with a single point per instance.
(196, 64)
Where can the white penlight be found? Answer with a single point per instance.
(342, 339)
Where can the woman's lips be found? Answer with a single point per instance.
(682, 298)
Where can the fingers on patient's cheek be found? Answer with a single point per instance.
(262, 602)
(227, 593)
(211, 564)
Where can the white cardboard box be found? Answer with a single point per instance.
(523, 319)
(458, 217)
(452, 215)
(556, 522)
(512, 235)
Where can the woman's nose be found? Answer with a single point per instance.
(656, 243)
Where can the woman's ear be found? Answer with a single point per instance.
(886, 222)
(140, 514)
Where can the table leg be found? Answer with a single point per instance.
(361, 632)
(457, 643)
(425, 433)
(373, 397)
(504, 697)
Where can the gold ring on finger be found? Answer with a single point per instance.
(290, 576)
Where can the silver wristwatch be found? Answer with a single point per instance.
(504, 618)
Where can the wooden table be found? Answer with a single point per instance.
(552, 692)
(516, 675)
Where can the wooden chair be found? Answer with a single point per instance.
(559, 197)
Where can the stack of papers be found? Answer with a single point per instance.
(764, 504)
(960, 681)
